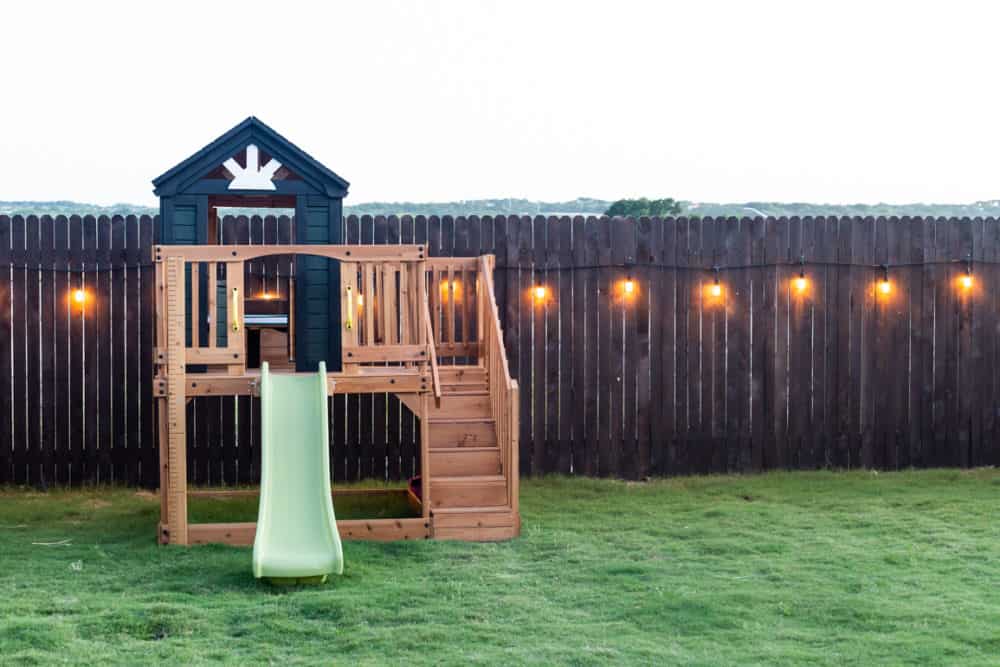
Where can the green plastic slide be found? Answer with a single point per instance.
(297, 539)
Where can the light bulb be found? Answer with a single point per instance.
(539, 291)
(629, 286)
(79, 296)
(967, 281)
(715, 289)
(885, 286)
(801, 283)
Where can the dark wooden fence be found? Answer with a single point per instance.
(666, 379)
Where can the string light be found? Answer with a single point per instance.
(801, 283)
(629, 283)
(539, 291)
(884, 286)
(79, 296)
(715, 289)
(966, 280)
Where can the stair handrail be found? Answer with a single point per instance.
(429, 332)
(503, 390)
(486, 270)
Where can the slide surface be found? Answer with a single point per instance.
(297, 536)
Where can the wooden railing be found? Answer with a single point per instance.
(217, 336)
(454, 297)
(429, 329)
(381, 303)
(503, 390)
(384, 310)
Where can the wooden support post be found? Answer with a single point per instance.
(425, 454)
(176, 441)
(405, 304)
(237, 331)
(419, 301)
(163, 533)
(291, 320)
(213, 310)
(514, 472)
(195, 323)
(369, 304)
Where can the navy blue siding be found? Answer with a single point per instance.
(317, 295)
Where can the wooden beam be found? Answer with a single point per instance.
(217, 356)
(242, 534)
(236, 336)
(213, 289)
(162, 535)
(378, 353)
(425, 455)
(242, 253)
(412, 401)
(444, 263)
(449, 349)
(176, 441)
(364, 384)
(366, 380)
(335, 492)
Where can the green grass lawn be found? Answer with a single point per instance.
(818, 568)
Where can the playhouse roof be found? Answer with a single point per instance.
(251, 131)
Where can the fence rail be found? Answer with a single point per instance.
(669, 377)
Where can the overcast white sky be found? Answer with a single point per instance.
(835, 102)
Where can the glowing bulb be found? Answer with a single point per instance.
(885, 286)
(715, 289)
(801, 283)
(539, 291)
(967, 281)
(266, 296)
(361, 300)
(79, 296)
(629, 286)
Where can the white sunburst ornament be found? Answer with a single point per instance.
(253, 177)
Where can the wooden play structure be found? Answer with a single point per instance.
(385, 319)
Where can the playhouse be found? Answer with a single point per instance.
(381, 319)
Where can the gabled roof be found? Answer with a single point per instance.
(254, 131)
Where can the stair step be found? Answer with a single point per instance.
(458, 461)
(468, 491)
(466, 375)
(480, 524)
(463, 388)
(446, 419)
(461, 406)
(446, 432)
(467, 370)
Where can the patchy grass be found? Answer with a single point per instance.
(819, 568)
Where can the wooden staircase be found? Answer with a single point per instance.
(440, 316)
(470, 492)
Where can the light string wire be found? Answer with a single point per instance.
(544, 269)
